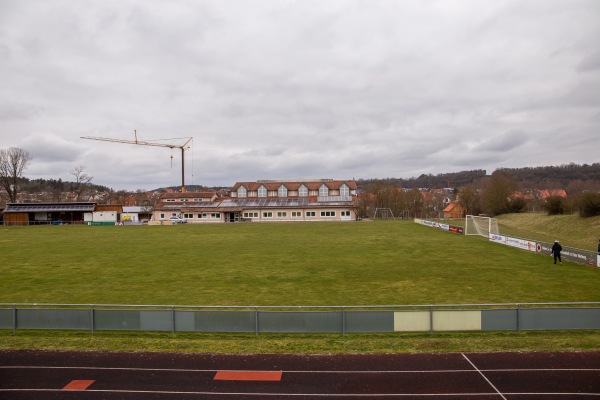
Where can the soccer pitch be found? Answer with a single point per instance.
(278, 264)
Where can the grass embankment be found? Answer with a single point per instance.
(370, 263)
(570, 230)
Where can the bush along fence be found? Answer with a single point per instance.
(326, 319)
(571, 254)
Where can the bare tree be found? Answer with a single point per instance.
(82, 181)
(12, 164)
(468, 198)
(496, 195)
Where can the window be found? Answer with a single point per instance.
(282, 191)
(311, 214)
(242, 192)
(251, 215)
(296, 213)
(162, 216)
(262, 191)
(170, 200)
(345, 213)
(281, 215)
(302, 191)
(215, 215)
(327, 213)
(344, 190)
(323, 191)
(189, 216)
(201, 216)
(267, 215)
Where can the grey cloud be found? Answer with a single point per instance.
(296, 89)
(505, 142)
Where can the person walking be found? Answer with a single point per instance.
(556, 249)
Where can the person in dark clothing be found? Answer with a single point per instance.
(598, 246)
(556, 249)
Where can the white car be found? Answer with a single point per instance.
(177, 220)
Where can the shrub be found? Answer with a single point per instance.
(517, 205)
(555, 205)
(589, 204)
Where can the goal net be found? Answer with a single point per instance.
(482, 226)
(383, 213)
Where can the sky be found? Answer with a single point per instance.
(279, 89)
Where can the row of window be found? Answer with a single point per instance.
(242, 192)
(199, 215)
(295, 214)
(184, 200)
(266, 214)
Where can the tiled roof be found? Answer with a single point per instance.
(450, 206)
(188, 195)
(310, 184)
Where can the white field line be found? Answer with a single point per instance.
(484, 377)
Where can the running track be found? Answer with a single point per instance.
(476, 376)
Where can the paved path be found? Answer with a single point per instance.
(476, 376)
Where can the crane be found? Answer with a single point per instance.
(146, 143)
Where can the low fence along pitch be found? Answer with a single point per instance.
(355, 319)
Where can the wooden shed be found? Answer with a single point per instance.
(454, 211)
(46, 213)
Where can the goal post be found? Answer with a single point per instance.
(482, 226)
(383, 213)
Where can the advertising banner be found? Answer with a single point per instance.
(456, 229)
(444, 227)
(521, 243)
(570, 254)
(497, 238)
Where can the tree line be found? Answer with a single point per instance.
(475, 191)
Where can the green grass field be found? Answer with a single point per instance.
(363, 263)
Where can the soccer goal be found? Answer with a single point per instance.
(482, 226)
(383, 213)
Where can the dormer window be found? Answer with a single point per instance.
(302, 191)
(344, 190)
(242, 192)
(323, 191)
(262, 191)
(282, 191)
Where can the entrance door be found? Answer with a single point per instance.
(233, 217)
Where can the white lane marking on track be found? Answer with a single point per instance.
(484, 377)
(460, 395)
(434, 371)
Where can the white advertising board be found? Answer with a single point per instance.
(521, 243)
(497, 238)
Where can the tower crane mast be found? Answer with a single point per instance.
(147, 143)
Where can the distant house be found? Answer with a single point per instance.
(136, 214)
(544, 194)
(454, 210)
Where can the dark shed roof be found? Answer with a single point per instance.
(48, 207)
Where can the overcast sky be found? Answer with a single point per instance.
(277, 89)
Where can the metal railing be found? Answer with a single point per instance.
(302, 319)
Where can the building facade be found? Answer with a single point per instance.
(265, 201)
